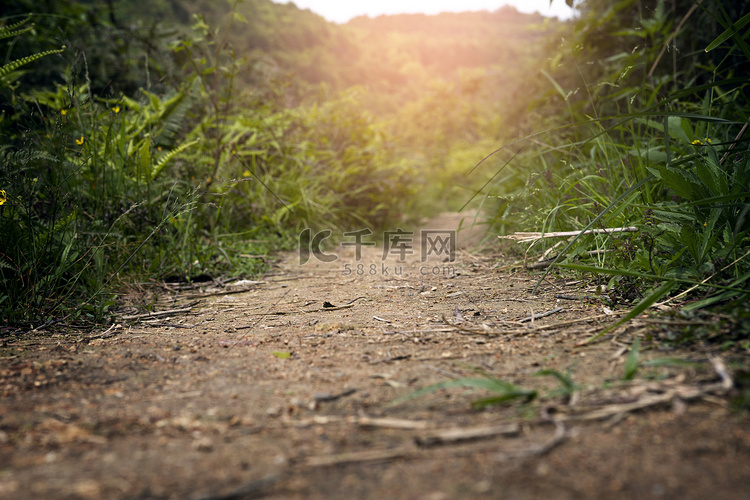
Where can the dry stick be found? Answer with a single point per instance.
(540, 315)
(157, 314)
(428, 330)
(553, 326)
(533, 236)
(451, 436)
(391, 423)
(734, 143)
(410, 452)
(681, 392)
(537, 451)
(363, 456)
(671, 37)
(721, 371)
(615, 409)
(105, 334)
(214, 294)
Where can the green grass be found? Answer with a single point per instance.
(674, 164)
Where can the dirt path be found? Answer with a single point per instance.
(271, 393)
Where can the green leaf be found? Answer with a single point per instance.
(636, 274)
(670, 362)
(282, 355)
(633, 360)
(557, 86)
(507, 390)
(239, 17)
(567, 383)
(678, 128)
(744, 20)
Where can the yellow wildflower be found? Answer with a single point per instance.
(246, 173)
(3, 196)
(80, 141)
(63, 112)
(116, 109)
(697, 142)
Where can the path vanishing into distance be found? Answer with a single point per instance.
(296, 385)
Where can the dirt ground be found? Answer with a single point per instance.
(280, 389)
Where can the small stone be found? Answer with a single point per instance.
(204, 445)
(273, 411)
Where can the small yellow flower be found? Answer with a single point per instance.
(80, 141)
(3, 196)
(116, 109)
(246, 173)
(63, 112)
(697, 142)
(159, 148)
(705, 224)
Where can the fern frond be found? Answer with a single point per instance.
(23, 157)
(174, 119)
(14, 65)
(168, 156)
(11, 29)
(5, 265)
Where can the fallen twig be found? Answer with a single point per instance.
(533, 236)
(537, 451)
(721, 371)
(334, 397)
(682, 392)
(428, 330)
(451, 436)
(541, 315)
(157, 314)
(362, 456)
(391, 423)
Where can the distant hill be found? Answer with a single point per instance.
(385, 53)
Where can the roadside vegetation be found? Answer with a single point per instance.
(645, 129)
(143, 142)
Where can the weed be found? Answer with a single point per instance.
(504, 391)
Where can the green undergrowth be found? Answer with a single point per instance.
(184, 172)
(646, 129)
